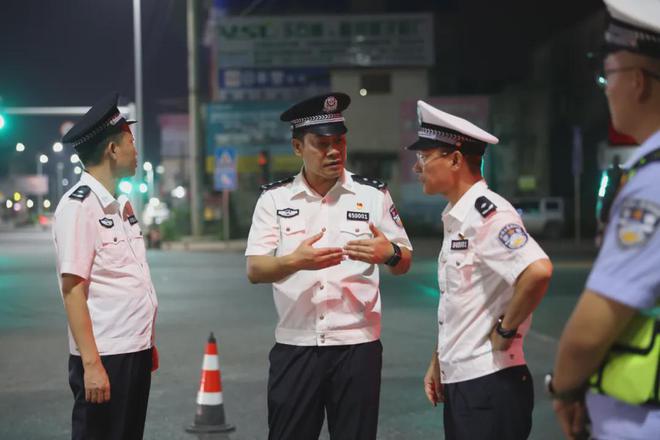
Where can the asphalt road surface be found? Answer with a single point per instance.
(200, 292)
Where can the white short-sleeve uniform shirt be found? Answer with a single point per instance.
(338, 305)
(98, 238)
(479, 263)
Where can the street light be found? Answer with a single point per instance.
(149, 187)
(57, 147)
(40, 172)
(20, 147)
(125, 186)
(179, 192)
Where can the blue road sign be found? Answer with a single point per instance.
(225, 176)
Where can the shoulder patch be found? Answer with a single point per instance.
(80, 193)
(638, 221)
(484, 206)
(378, 184)
(277, 183)
(513, 236)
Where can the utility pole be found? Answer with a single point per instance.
(139, 107)
(193, 113)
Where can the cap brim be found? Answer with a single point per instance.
(327, 129)
(425, 144)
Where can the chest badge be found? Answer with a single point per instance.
(132, 220)
(357, 216)
(106, 222)
(288, 212)
(459, 245)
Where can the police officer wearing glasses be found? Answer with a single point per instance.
(491, 276)
(609, 353)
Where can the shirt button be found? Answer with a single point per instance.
(322, 287)
(288, 229)
(357, 229)
(458, 263)
(323, 201)
(321, 317)
(115, 239)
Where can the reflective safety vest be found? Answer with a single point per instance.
(631, 369)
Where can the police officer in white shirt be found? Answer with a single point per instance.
(319, 237)
(491, 276)
(105, 283)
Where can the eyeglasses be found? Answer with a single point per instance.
(424, 159)
(603, 74)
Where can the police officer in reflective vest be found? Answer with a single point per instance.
(609, 351)
(491, 276)
(319, 238)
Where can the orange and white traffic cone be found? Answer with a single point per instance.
(210, 414)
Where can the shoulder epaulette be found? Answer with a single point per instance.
(80, 193)
(378, 184)
(277, 183)
(485, 206)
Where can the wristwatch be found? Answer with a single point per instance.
(503, 332)
(394, 259)
(565, 396)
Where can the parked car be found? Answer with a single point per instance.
(542, 216)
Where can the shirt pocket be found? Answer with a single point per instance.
(292, 233)
(137, 243)
(353, 230)
(460, 271)
(114, 249)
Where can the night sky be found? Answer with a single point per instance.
(70, 52)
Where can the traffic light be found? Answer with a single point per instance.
(263, 160)
(125, 186)
(3, 118)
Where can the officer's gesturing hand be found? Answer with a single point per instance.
(97, 383)
(374, 250)
(432, 383)
(308, 257)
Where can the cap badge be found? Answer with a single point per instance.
(330, 104)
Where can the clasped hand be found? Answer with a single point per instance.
(374, 250)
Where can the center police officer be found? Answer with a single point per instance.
(491, 275)
(319, 237)
(105, 283)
